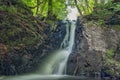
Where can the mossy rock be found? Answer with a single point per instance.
(19, 29)
(112, 67)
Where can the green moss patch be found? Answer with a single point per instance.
(18, 28)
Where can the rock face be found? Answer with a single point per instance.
(91, 45)
(25, 60)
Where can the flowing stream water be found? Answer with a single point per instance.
(54, 66)
(55, 63)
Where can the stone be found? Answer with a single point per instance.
(3, 49)
(91, 45)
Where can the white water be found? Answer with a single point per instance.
(73, 13)
(55, 63)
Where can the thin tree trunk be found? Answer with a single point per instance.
(49, 9)
(102, 1)
(96, 2)
(42, 8)
(78, 8)
(37, 9)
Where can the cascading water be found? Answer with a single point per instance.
(56, 62)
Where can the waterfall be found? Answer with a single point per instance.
(67, 45)
(55, 63)
(53, 67)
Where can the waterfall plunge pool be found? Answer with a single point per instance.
(46, 77)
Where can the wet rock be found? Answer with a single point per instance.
(56, 37)
(3, 50)
(91, 45)
(26, 59)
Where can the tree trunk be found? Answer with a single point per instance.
(49, 10)
(78, 8)
(96, 2)
(37, 9)
(102, 1)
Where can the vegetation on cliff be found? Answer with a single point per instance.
(104, 12)
(18, 26)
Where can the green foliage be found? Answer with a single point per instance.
(110, 53)
(58, 8)
(112, 67)
(117, 27)
(116, 6)
(86, 6)
(100, 22)
(31, 3)
(10, 9)
(105, 13)
(101, 10)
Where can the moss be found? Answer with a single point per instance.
(52, 24)
(117, 27)
(112, 67)
(110, 53)
(10, 9)
(19, 28)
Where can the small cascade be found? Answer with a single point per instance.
(55, 63)
(67, 45)
(65, 41)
